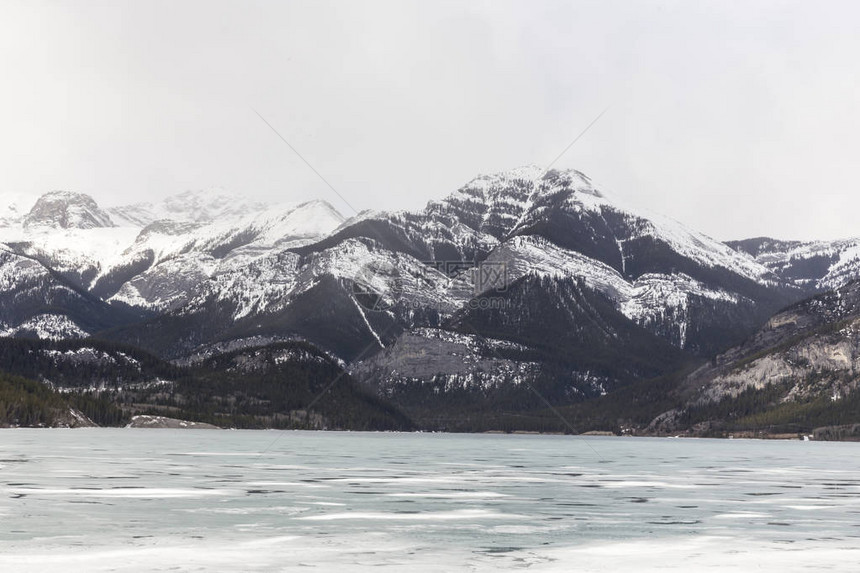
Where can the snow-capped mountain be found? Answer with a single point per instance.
(566, 208)
(813, 265)
(517, 280)
(67, 210)
(204, 270)
(133, 262)
(171, 262)
(593, 295)
(681, 285)
(37, 301)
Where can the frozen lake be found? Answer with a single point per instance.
(193, 500)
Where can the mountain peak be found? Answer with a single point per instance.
(67, 210)
(573, 179)
(496, 203)
(529, 179)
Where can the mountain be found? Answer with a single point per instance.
(66, 253)
(107, 384)
(67, 210)
(548, 341)
(189, 255)
(691, 291)
(519, 291)
(38, 301)
(814, 266)
(795, 374)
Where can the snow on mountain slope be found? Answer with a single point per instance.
(516, 201)
(71, 250)
(400, 279)
(65, 210)
(813, 265)
(160, 255)
(493, 203)
(702, 249)
(667, 304)
(15, 270)
(167, 286)
(69, 232)
(649, 300)
(169, 262)
(202, 206)
(280, 225)
(328, 298)
(674, 281)
(34, 301)
(429, 235)
(46, 327)
(270, 284)
(845, 269)
(535, 255)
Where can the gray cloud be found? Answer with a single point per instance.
(738, 118)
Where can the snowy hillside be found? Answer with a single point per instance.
(814, 265)
(153, 257)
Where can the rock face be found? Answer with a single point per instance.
(814, 346)
(800, 364)
(67, 210)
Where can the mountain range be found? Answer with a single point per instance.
(520, 293)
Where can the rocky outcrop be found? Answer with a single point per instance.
(67, 210)
(798, 372)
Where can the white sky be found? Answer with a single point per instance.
(738, 118)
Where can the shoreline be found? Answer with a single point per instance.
(191, 426)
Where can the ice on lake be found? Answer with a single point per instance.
(180, 500)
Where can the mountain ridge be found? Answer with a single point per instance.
(527, 278)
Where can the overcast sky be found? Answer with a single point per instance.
(738, 118)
